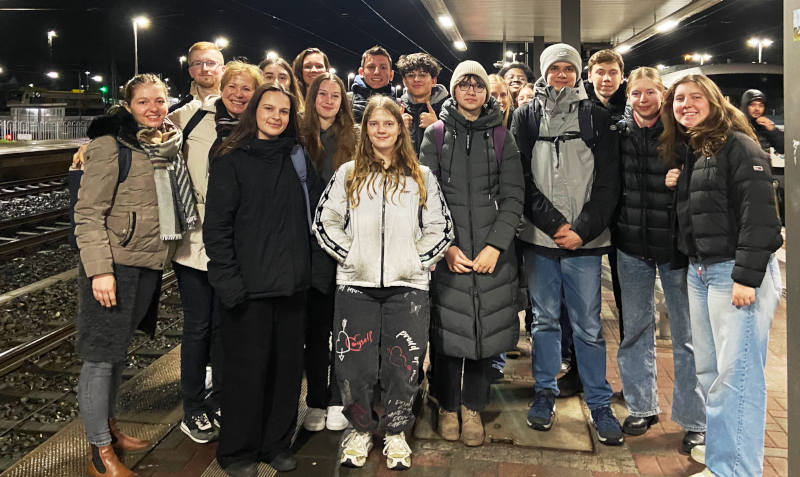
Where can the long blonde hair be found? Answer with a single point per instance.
(367, 168)
(497, 79)
(708, 137)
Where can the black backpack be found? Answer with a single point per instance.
(588, 128)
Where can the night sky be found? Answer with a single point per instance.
(97, 35)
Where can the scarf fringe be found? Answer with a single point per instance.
(167, 237)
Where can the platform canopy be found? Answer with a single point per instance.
(612, 22)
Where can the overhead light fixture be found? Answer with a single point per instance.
(460, 45)
(666, 26)
(622, 49)
(660, 66)
(141, 21)
(510, 54)
(446, 21)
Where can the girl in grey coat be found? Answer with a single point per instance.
(474, 294)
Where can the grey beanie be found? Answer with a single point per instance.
(465, 68)
(560, 52)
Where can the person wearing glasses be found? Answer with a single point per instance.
(374, 77)
(475, 293)
(423, 98)
(206, 66)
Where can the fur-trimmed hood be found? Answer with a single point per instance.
(118, 122)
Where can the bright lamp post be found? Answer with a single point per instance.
(760, 43)
(140, 21)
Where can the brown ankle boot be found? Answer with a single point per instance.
(471, 427)
(103, 462)
(448, 424)
(123, 441)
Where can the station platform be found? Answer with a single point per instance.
(40, 146)
(150, 408)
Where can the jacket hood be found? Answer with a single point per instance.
(748, 97)
(548, 94)
(490, 117)
(616, 105)
(438, 94)
(362, 88)
(118, 123)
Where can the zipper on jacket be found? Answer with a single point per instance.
(642, 176)
(475, 295)
(383, 225)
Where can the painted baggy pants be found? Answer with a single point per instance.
(380, 341)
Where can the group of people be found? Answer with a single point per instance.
(305, 224)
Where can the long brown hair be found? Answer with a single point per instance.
(708, 137)
(367, 168)
(248, 125)
(294, 88)
(297, 66)
(343, 125)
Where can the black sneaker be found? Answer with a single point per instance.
(284, 461)
(540, 415)
(495, 374)
(606, 427)
(199, 428)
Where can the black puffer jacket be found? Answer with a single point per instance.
(617, 106)
(726, 209)
(475, 315)
(256, 229)
(361, 94)
(765, 137)
(645, 213)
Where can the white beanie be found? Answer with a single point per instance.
(465, 68)
(560, 52)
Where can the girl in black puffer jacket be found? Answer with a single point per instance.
(644, 241)
(729, 228)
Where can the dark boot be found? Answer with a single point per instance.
(123, 441)
(570, 384)
(103, 462)
(692, 439)
(636, 426)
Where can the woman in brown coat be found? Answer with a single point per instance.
(126, 214)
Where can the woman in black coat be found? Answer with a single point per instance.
(257, 236)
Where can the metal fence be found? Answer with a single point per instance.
(42, 130)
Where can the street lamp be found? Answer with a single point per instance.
(140, 21)
(272, 55)
(97, 78)
(181, 61)
(760, 43)
(1, 70)
(698, 57)
(332, 70)
(222, 42)
(50, 35)
(52, 74)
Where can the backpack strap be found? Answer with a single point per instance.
(298, 156)
(193, 122)
(586, 123)
(499, 139)
(438, 138)
(124, 158)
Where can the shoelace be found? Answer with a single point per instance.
(395, 444)
(357, 439)
(201, 421)
(604, 417)
(542, 401)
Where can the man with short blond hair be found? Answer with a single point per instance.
(374, 77)
(206, 66)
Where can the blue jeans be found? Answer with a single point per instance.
(579, 277)
(730, 354)
(637, 356)
(97, 397)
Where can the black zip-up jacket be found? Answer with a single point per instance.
(361, 94)
(256, 229)
(617, 106)
(726, 209)
(646, 208)
(765, 137)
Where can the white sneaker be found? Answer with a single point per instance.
(336, 421)
(704, 473)
(315, 419)
(698, 454)
(397, 452)
(355, 448)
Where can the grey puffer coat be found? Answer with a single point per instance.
(475, 315)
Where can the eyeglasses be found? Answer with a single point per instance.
(210, 64)
(414, 75)
(464, 87)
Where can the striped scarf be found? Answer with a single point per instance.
(177, 209)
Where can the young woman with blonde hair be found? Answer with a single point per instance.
(384, 219)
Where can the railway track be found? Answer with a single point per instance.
(34, 230)
(25, 187)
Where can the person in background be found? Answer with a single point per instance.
(516, 75)
(571, 188)
(383, 218)
(644, 238)
(475, 293)
(278, 70)
(728, 227)
(754, 103)
(258, 239)
(119, 279)
(307, 65)
(206, 66)
(329, 135)
(423, 97)
(374, 77)
(526, 94)
(498, 89)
